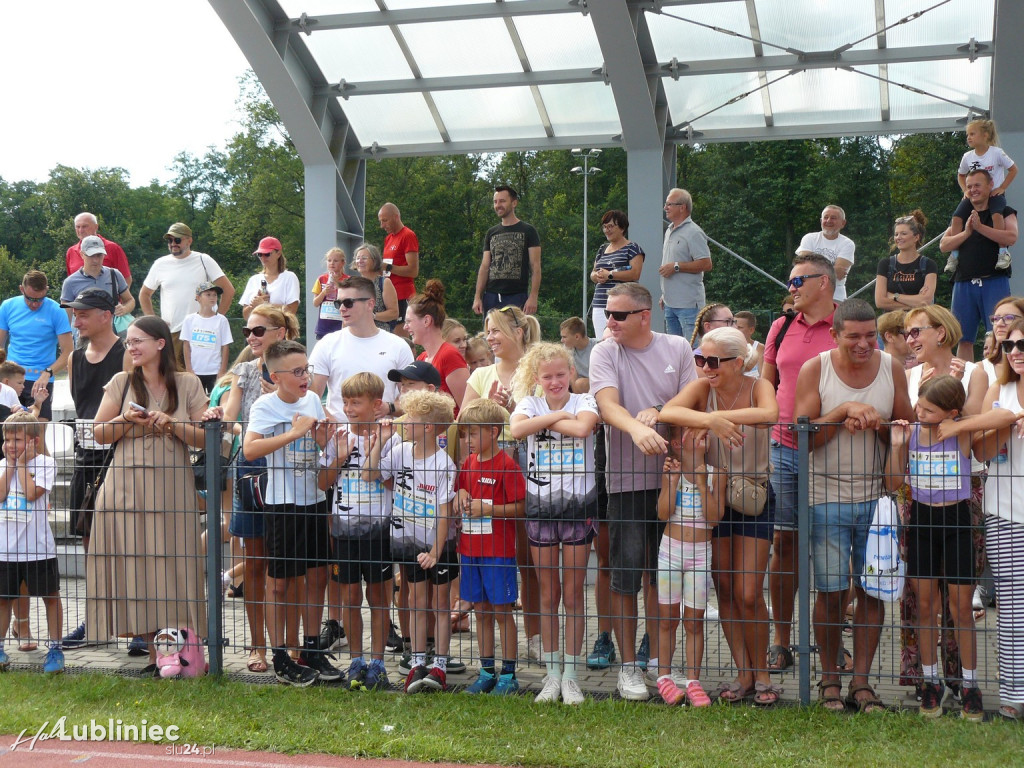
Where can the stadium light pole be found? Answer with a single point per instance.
(586, 171)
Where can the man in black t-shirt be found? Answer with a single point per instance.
(510, 269)
(978, 285)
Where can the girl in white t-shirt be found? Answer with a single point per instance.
(28, 552)
(561, 502)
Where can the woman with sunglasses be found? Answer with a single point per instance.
(1007, 312)
(265, 325)
(509, 333)
(620, 260)
(145, 567)
(369, 264)
(905, 278)
(273, 284)
(736, 412)
(932, 334)
(424, 321)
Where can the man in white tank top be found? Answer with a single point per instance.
(851, 392)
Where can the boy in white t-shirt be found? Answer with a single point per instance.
(289, 428)
(12, 381)
(206, 336)
(28, 552)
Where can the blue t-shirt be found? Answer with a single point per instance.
(32, 334)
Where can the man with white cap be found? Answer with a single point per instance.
(176, 277)
(93, 274)
(86, 225)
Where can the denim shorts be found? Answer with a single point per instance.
(735, 523)
(784, 463)
(839, 534)
(245, 524)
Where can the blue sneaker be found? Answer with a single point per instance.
(643, 653)
(603, 653)
(357, 671)
(507, 685)
(138, 647)
(75, 638)
(485, 683)
(376, 678)
(5, 660)
(54, 661)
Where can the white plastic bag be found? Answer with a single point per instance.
(884, 570)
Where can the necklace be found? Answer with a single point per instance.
(738, 393)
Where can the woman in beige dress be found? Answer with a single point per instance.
(145, 569)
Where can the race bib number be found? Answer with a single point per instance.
(302, 455)
(689, 507)
(935, 470)
(415, 508)
(329, 312)
(561, 457)
(353, 491)
(15, 508)
(477, 526)
(84, 435)
(203, 338)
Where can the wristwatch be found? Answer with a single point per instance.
(675, 266)
(49, 371)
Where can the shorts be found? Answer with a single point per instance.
(633, 535)
(783, 482)
(940, 543)
(600, 464)
(245, 523)
(208, 380)
(366, 557)
(551, 533)
(996, 204)
(40, 576)
(488, 579)
(839, 534)
(684, 573)
(975, 300)
(734, 523)
(88, 466)
(444, 572)
(298, 538)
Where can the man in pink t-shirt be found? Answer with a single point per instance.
(86, 224)
(812, 285)
(402, 248)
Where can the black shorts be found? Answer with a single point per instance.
(40, 576)
(940, 543)
(600, 464)
(445, 571)
(88, 465)
(366, 558)
(297, 538)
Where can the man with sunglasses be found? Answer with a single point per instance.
(812, 281)
(835, 247)
(359, 346)
(86, 225)
(509, 273)
(851, 393)
(685, 257)
(978, 285)
(32, 327)
(632, 375)
(176, 277)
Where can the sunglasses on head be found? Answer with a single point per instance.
(175, 240)
(799, 280)
(913, 333)
(348, 303)
(621, 316)
(259, 330)
(1008, 346)
(510, 311)
(711, 361)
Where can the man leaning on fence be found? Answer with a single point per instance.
(850, 392)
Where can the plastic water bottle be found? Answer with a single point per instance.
(1001, 457)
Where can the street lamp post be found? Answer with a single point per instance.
(586, 171)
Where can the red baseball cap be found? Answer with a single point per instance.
(268, 244)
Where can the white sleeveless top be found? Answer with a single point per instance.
(1004, 491)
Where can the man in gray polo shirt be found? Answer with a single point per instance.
(685, 258)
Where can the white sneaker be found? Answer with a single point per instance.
(550, 691)
(711, 614)
(533, 648)
(571, 693)
(1003, 260)
(631, 683)
(978, 603)
(651, 677)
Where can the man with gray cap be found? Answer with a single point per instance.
(92, 274)
(176, 277)
(86, 225)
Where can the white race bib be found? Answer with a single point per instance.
(329, 312)
(477, 526)
(935, 470)
(203, 338)
(15, 509)
(302, 455)
(561, 456)
(353, 491)
(84, 435)
(689, 506)
(415, 508)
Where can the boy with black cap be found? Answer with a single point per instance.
(205, 336)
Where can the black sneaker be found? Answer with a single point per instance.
(931, 699)
(317, 661)
(454, 666)
(414, 680)
(973, 709)
(332, 636)
(290, 673)
(394, 642)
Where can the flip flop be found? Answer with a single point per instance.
(256, 662)
(25, 643)
(780, 658)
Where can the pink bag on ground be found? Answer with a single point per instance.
(179, 653)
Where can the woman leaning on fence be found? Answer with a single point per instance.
(145, 569)
(735, 411)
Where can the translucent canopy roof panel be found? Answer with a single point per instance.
(429, 76)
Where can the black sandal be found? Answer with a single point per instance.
(237, 590)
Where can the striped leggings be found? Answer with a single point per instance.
(1005, 542)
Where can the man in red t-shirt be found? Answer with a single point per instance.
(402, 249)
(85, 225)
